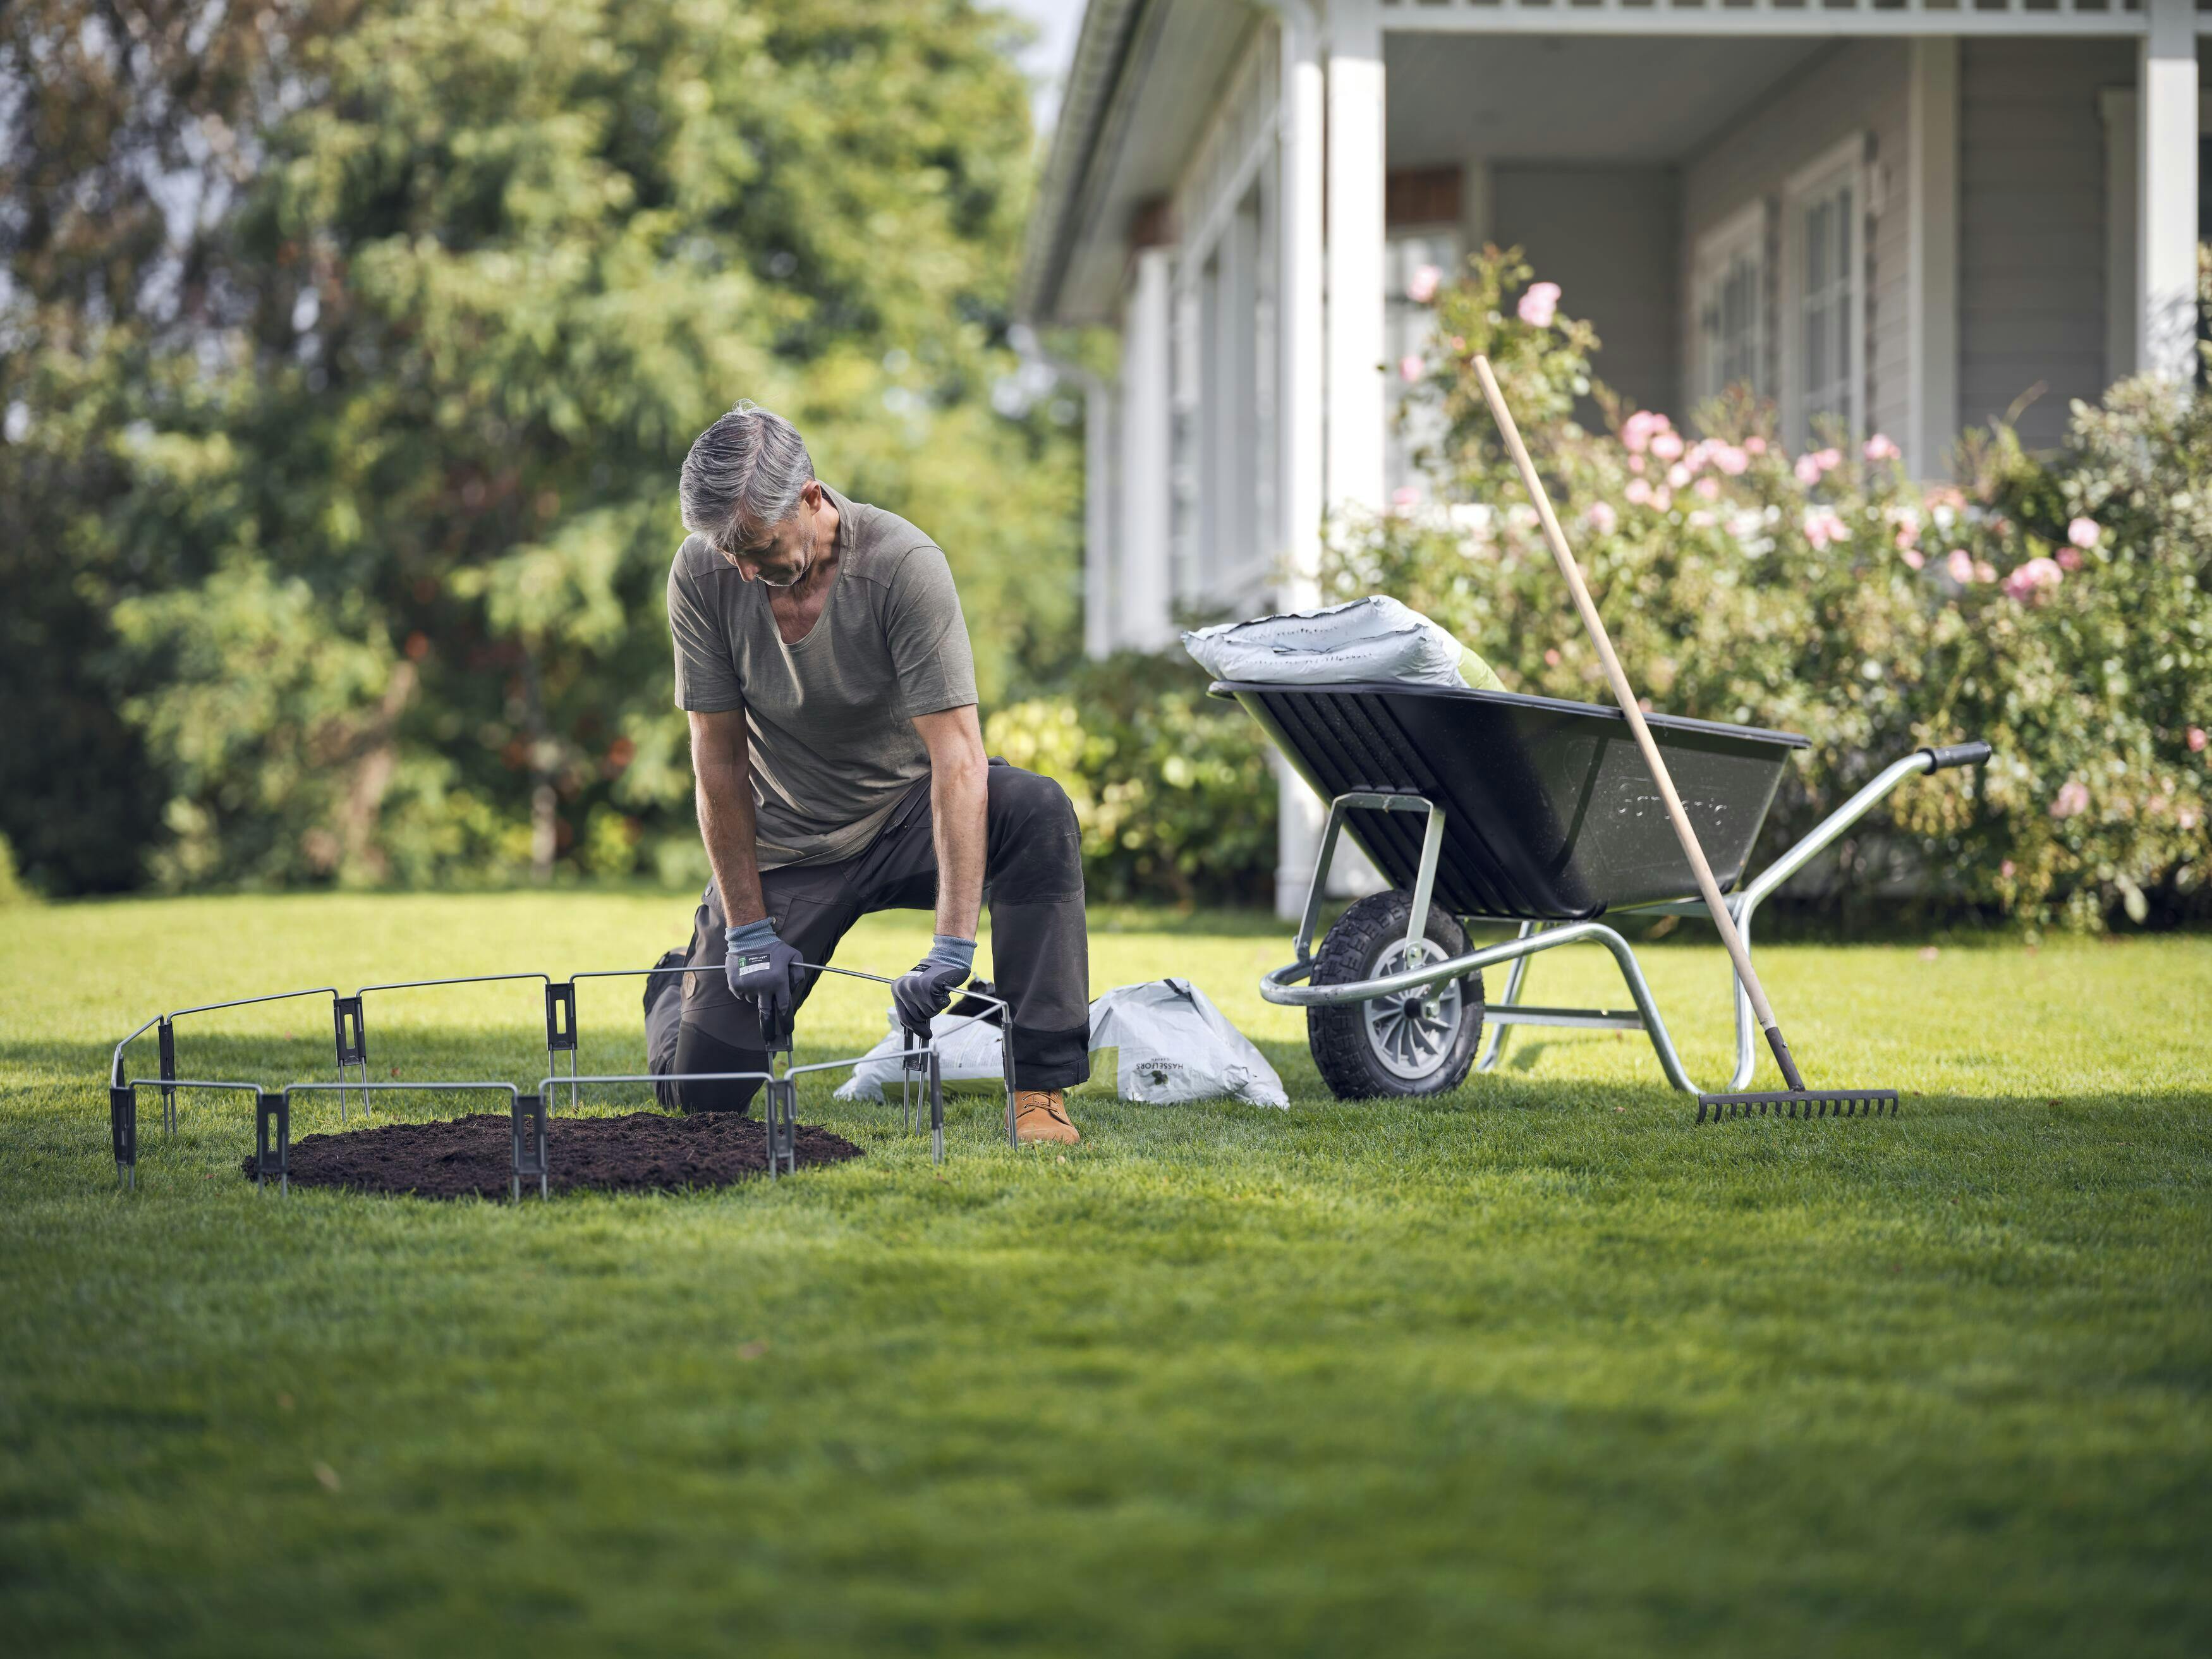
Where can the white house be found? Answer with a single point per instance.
(1907, 213)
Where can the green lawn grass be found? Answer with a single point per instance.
(1536, 1368)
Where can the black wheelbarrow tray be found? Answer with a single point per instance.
(1487, 806)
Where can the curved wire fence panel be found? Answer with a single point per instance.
(922, 1065)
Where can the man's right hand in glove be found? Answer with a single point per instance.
(761, 968)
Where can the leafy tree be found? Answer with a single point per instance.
(403, 475)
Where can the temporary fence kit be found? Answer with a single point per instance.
(921, 1081)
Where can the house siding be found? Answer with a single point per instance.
(2032, 247)
(1607, 235)
(1860, 86)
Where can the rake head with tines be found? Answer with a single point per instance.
(1796, 1100)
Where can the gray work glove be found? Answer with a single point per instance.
(761, 969)
(928, 990)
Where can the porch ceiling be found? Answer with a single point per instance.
(1586, 98)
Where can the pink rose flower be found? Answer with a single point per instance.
(2072, 800)
(1409, 368)
(1912, 559)
(1701, 520)
(1667, 445)
(2196, 739)
(1731, 459)
(1984, 571)
(1678, 476)
(1907, 534)
(1603, 518)
(1823, 525)
(1661, 500)
(1755, 446)
(1552, 657)
(1539, 304)
(1710, 487)
(2006, 869)
(1459, 342)
(1405, 498)
(1638, 491)
(2083, 533)
(1421, 287)
(1807, 470)
(1635, 463)
(1879, 448)
(1960, 565)
(2069, 558)
(2032, 578)
(1638, 429)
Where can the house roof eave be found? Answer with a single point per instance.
(1097, 79)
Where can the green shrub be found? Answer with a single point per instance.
(12, 890)
(1173, 788)
(2056, 606)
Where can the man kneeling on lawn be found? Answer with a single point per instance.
(839, 768)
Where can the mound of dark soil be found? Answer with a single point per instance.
(453, 1157)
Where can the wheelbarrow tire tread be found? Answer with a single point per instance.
(1338, 1037)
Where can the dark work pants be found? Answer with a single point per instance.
(1040, 953)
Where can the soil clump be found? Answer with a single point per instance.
(456, 1158)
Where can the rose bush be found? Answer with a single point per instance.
(2053, 605)
(1173, 788)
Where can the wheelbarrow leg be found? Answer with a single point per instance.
(1493, 1042)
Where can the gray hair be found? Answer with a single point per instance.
(743, 476)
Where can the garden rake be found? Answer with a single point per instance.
(1796, 1100)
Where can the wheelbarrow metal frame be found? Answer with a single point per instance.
(1289, 985)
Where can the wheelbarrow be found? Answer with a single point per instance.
(1490, 807)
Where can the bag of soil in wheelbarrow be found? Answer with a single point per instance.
(1376, 638)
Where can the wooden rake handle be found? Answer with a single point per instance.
(1624, 695)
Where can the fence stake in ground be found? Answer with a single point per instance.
(272, 1154)
(353, 1047)
(123, 1129)
(169, 1048)
(782, 1128)
(532, 1155)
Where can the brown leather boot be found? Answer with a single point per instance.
(1039, 1115)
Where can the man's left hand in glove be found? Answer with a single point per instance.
(928, 990)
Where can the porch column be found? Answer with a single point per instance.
(1301, 424)
(1356, 265)
(1932, 263)
(2166, 193)
(1145, 615)
(1101, 554)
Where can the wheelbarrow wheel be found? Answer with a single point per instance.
(1418, 1043)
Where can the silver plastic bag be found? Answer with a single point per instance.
(1175, 1047)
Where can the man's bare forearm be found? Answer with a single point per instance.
(722, 792)
(959, 795)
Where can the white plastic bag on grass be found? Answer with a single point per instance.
(1370, 639)
(969, 1054)
(1176, 1046)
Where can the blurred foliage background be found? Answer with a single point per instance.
(348, 350)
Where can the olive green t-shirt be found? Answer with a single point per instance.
(831, 720)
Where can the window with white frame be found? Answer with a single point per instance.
(1417, 260)
(1729, 293)
(1827, 206)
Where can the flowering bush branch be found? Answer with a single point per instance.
(2057, 607)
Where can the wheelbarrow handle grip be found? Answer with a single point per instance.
(1956, 754)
